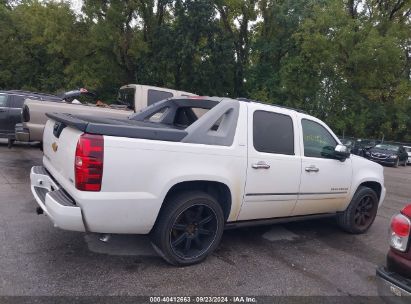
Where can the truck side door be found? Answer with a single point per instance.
(274, 163)
(325, 182)
(4, 113)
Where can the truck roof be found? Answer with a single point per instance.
(271, 104)
(242, 99)
(134, 85)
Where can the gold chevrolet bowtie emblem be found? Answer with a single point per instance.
(54, 146)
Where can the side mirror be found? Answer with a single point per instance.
(341, 152)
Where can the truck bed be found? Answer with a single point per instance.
(120, 127)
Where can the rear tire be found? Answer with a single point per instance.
(360, 213)
(188, 228)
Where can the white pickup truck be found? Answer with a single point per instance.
(185, 168)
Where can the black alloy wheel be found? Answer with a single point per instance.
(189, 228)
(361, 212)
(364, 212)
(193, 231)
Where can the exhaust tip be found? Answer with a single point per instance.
(105, 238)
(39, 210)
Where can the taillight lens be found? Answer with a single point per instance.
(88, 164)
(400, 232)
(407, 211)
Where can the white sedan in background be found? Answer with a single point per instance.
(408, 149)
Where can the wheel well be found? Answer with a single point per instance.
(218, 190)
(374, 186)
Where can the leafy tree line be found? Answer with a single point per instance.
(347, 62)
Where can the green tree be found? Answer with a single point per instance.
(347, 62)
(236, 18)
(35, 50)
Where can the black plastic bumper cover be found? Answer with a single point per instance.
(396, 280)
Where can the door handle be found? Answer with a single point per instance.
(312, 169)
(261, 165)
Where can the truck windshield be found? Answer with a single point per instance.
(126, 97)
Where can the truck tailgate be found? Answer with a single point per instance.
(59, 151)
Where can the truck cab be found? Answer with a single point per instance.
(137, 96)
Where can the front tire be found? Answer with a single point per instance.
(189, 228)
(360, 213)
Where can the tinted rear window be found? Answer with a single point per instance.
(126, 96)
(273, 133)
(155, 95)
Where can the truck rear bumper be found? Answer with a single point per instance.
(21, 133)
(393, 288)
(61, 209)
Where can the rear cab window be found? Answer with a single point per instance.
(273, 133)
(126, 96)
(155, 95)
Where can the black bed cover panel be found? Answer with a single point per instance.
(120, 127)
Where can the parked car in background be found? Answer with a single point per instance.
(362, 145)
(183, 178)
(131, 98)
(408, 150)
(394, 280)
(348, 142)
(388, 154)
(11, 103)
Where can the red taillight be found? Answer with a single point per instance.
(88, 164)
(400, 232)
(400, 225)
(407, 211)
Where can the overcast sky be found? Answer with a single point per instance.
(76, 5)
